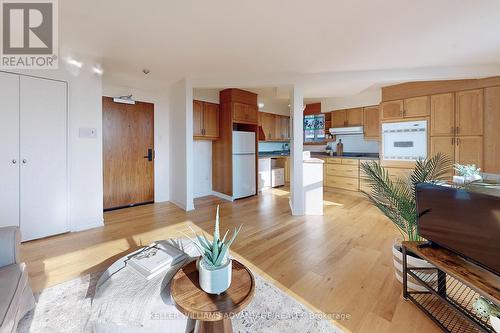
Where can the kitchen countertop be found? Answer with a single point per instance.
(286, 153)
(359, 156)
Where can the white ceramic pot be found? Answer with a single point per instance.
(411, 262)
(214, 281)
(495, 323)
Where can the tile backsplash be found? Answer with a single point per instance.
(354, 143)
(273, 146)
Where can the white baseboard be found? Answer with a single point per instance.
(85, 225)
(222, 196)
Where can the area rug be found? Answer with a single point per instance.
(67, 308)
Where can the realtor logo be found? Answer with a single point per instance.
(29, 34)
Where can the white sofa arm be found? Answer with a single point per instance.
(10, 238)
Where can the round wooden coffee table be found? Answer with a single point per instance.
(212, 312)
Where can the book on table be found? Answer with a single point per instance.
(155, 259)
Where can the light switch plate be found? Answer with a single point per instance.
(90, 133)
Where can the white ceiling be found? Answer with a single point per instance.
(342, 46)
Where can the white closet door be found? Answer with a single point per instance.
(9, 149)
(43, 129)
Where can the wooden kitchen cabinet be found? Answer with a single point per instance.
(491, 137)
(443, 115)
(205, 120)
(355, 117)
(469, 112)
(197, 118)
(268, 124)
(469, 150)
(371, 123)
(416, 107)
(283, 127)
(346, 118)
(391, 110)
(245, 113)
(339, 118)
(274, 127)
(444, 145)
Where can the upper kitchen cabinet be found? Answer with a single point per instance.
(416, 107)
(391, 110)
(273, 127)
(491, 132)
(371, 123)
(268, 125)
(355, 117)
(443, 115)
(339, 118)
(407, 108)
(347, 118)
(205, 120)
(469, 112)
(283, 127)
(243, 105)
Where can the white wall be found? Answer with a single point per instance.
(366, 98)
(84, 154)
(161, 132)
(202, 165)
(206, 95)
(181, 144)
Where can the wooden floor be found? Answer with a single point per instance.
(339, 263)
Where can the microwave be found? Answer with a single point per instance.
(404, 141)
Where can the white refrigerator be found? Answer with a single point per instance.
(244, 184)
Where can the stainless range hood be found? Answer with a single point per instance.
(346, 130)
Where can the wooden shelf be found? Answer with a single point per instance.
(452, 287)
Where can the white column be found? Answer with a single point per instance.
(181, 144)
(296, 180)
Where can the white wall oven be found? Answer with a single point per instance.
(404, 141)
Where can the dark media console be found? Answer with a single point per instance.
(451, 288)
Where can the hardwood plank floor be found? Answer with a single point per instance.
(339, 263)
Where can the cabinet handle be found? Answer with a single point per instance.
(14, 161)
(452, 141)
(458, 129)
(458, 141)
(25, 161)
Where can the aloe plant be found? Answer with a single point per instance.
(214, 253)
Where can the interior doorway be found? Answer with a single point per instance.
(128, 153)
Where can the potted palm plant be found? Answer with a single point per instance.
(396, 199)
(214, 265)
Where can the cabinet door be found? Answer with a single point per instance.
(469, 150)
(283, 127)
(469, 112)
(444, 145)
(9, 149)
(244, 113)
(443, 115)
(416, 107)
(491, 130)
(392, 110)
(211, 120)
(268, 124)
(355, 117)
(197, 118)
(339, 118)
(371, 122)
(43, 157)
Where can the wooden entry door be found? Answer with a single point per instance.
(128, 148)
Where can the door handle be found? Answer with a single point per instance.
(149, 156)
